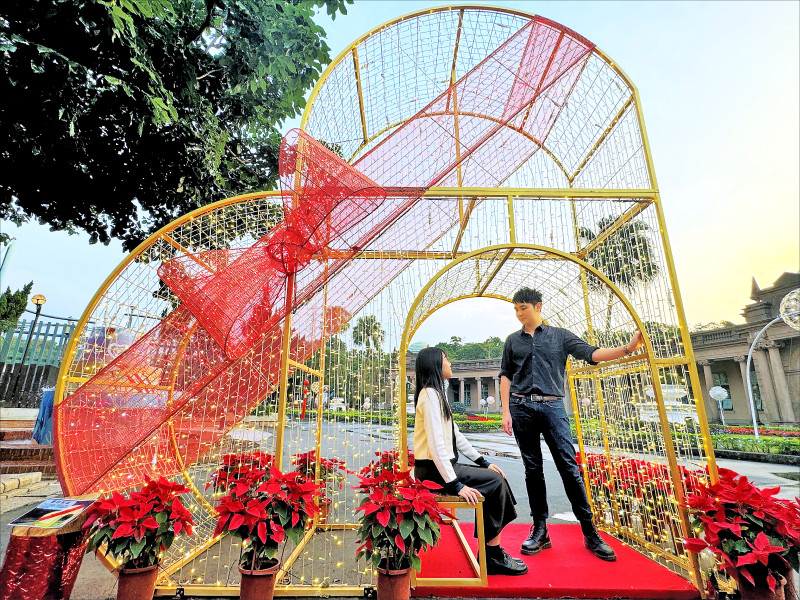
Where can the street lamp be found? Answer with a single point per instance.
(789, 313)
(719, 394)
(39, 301)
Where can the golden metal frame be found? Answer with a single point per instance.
(478, 565)
(649, 355)
(643, 198)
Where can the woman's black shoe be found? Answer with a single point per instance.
(498, 562)
(538, 540)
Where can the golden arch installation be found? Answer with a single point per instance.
(455, 152)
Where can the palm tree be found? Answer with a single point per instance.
(368, 332)
(626, 257)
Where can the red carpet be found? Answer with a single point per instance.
(567, 570)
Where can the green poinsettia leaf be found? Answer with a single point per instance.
(416, 563)
(137, 547)
(293, 534)
(406, 527)
(794, 559)
(425, 534)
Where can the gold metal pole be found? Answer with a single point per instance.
(320, 384)
(402, 421)
(284, 375)
(512, 229)
(360, 94)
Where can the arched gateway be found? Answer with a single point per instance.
(452, 153)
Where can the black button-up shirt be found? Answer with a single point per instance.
(536, 364)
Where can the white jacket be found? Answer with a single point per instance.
(433, 436)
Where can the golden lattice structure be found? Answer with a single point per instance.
(453, 153)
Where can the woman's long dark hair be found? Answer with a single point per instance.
(428, 368)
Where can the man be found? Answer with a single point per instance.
(532, 389)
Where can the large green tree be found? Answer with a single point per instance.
(368, 332)
(117, 116)
(626, 256)
(12, 305)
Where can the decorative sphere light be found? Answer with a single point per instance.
(718, 393)
(790, 309)
(586, 401)
(490, 400)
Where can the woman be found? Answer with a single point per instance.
(437, 443)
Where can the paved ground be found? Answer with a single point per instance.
(95, 583)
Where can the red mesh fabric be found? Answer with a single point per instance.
(166, 400)
(237, 298)
(41, 568)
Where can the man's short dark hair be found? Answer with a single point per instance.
(527, 295)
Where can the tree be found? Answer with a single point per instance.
(712, 325)
(12, 305)
(119, 116)
(494, 347)
(368, 332)
(626, 257)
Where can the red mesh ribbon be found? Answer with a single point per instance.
(42, 568)
(237, 298)
(167, 399)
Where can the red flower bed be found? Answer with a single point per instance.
(774, 432)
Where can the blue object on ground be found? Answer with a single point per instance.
(43, 430)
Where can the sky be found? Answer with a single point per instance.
(720, 90)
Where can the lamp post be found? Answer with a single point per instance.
(789, 313)
(719, 394)
(39, 301)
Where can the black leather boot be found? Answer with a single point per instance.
(537, 541)
(499, 562)
(601, 550)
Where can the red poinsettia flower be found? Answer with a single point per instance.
(263, 506)
(129, 526)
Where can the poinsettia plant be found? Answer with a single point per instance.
(331, 470)
(752, 533)
(263, 507)
(387, 460)
(237, 470)
(399, 518)
(136, 530)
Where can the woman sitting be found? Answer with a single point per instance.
(437, 444)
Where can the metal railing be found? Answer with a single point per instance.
(21, 384)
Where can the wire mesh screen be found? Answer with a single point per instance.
(472, 151)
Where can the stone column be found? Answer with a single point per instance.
(765, 384)
(742, 360)
(480, 390)
(712, 408)
(461, 390)
(497, 398)
(781, 385)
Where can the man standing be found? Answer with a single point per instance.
(532, 390)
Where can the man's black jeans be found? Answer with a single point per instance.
(548, 418)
